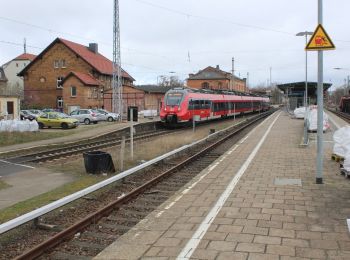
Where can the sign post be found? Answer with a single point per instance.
(320, 41)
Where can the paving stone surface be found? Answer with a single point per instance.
(260, 219)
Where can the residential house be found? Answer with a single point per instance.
(67, 75)
(9, 101)
(216, 79)
(12, 68)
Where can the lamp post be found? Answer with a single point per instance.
(306, 33)
(347, 84)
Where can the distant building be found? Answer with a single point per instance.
(215, 78)
(12, 68)
(9, 101)
(153, 95)
(67, 75)
(294, 93)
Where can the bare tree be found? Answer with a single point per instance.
(172, 81)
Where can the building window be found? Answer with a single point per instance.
(63, 63)
(56, 64)
(59, 82)
(220, 85)
(59, 102)
(73, 91)
(205, 85)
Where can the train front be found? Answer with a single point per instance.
(174, 109)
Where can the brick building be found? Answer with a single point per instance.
(145, 97)
(215, 78)
(67, 75)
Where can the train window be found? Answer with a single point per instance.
(174, 99)
(190, 105)
(197, 104)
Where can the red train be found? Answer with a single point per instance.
(181, 105)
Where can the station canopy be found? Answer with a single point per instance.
(297, 89)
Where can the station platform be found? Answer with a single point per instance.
(258, 201)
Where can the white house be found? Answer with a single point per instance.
(9, 102)
(12, 68)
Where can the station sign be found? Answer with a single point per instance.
(320, 41)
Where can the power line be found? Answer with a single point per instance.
(20, 44)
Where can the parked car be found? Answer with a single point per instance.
(26, 114)
(86, 116)
(35, 112)
(108, 116)
(56, 119)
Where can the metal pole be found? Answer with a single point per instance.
(270, 77)
(305, 99)
(122, 149)
(348, 85)
(234, 111)
(319, 173)
(233, 74)
(132, 134)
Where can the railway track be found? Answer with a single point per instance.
(342, 115)
(75, 149)
(82, 229)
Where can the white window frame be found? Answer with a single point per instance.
(59, 82)
(63, 63)
(59, 102)
(71, 91)
(56, 64)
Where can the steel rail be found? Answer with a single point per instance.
(342, 115)
(96, 216)
(51, 154)
(77, 195)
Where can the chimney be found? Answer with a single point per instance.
(93, 47)
(217, 67)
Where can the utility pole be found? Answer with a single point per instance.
(25, 45)
(117, 99)
(247, 83)
(233, 74)
(270, 76)
(319, 173)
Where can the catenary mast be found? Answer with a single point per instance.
(117, 98)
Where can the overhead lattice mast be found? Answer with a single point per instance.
(117, 99)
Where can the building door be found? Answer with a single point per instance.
(10, 107)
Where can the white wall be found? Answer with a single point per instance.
(11, 69)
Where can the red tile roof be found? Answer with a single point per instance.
(96, 60)
(25, 56)
(85, 78)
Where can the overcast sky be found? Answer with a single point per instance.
(159, 37)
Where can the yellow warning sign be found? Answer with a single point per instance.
(320, 40)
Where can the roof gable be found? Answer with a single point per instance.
(210, 73)
(25, 56)
(99, 62)
(86, 79)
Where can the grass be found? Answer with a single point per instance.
(43, 199)
(7, 138)
(145, 150)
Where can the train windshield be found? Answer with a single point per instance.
(174, 99)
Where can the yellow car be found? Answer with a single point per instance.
(56, 119)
